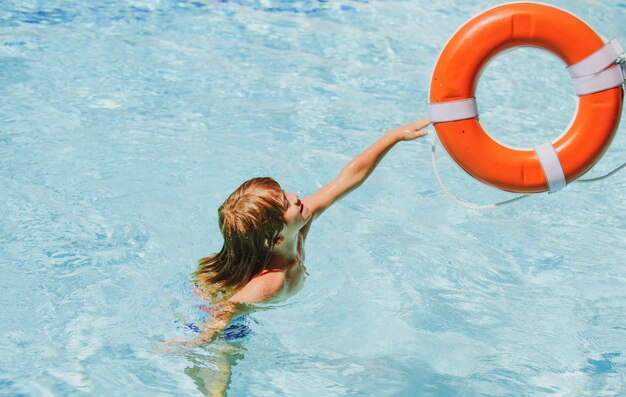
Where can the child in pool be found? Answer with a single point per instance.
(264, 230)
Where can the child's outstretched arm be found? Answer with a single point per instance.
(359, 168)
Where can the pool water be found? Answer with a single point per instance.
(125, 124)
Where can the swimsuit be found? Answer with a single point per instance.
(237, 330)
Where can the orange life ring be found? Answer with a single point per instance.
(456, 74)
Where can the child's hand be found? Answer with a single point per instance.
(413, 130)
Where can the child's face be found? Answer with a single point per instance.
(296, 215)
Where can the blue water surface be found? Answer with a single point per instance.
(124, 124)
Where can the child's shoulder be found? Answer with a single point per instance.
(261, 288)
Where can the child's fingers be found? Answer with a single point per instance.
(422, 123)
(174, 341)
(418, 125)
(419, 134)
(174, 346)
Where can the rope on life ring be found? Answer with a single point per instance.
(473, 206)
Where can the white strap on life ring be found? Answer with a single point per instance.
(601, 81)
(597, 61)
(453, 110)
(591, 74)
(551, 166)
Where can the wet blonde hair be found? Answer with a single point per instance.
(250, 220)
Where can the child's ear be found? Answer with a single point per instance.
(279, 239)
